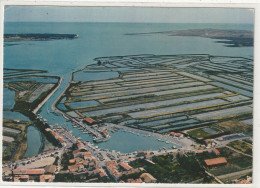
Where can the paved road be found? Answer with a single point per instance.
(235, 173)
(216, 178)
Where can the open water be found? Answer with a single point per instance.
(61, 57)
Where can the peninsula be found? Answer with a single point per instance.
(37, 37)
(230, 37)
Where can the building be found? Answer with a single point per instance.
(216, 151)
(207, 141)
(176, 134)
(73, 168)
(100, 171)
(33, 174)
(148, 178)
(105, 133)
(80, 146)
(21, 178)
(216, 162)
(50, 169)
(47, 178)
(89, 121)
(125, 166)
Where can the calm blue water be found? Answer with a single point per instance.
(8, 98)
(61, 57)
(90, 76)
(34, 141)
(15, 116)
(132, 143)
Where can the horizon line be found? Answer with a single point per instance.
(125, 22)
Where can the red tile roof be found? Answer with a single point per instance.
(89, 120)
(53, 133)
(125, 166)
(35, 171)
(80, 144)
(215, 161)
(105, 132)
(216, 151)
(111, 163)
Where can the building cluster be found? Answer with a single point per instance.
(84, 163)
(57, 135)
(246, 180)
(46, 174)
(215, 162)
(116, 170)
(91, 122)
(174, 134)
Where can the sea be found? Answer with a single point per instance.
(61, 57)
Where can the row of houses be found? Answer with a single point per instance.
(46, 174)
(84, 162)
(57, 136)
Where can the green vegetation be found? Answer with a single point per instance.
(134, 176)
(15, 150)
(6, 133)
(236, 162)
(201, 134)
(68, 178)
(182, 169)
(241, 146)
(235, 126)
(56, 161)
(9, 151)
(65, 159)
(228, 180)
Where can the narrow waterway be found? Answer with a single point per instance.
(34, 141)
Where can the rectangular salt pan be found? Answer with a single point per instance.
(223, 113)
(152, 104)
(174, 109)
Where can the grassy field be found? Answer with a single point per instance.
(236, 162)
(235, 126)
(242, 146)
(167, 169)
(15, 150)
(201, 133)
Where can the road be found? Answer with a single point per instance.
(235, 174)
(216, 178)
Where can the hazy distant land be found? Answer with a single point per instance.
(233, 38)
(37, 37)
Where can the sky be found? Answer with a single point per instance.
(127, 14)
